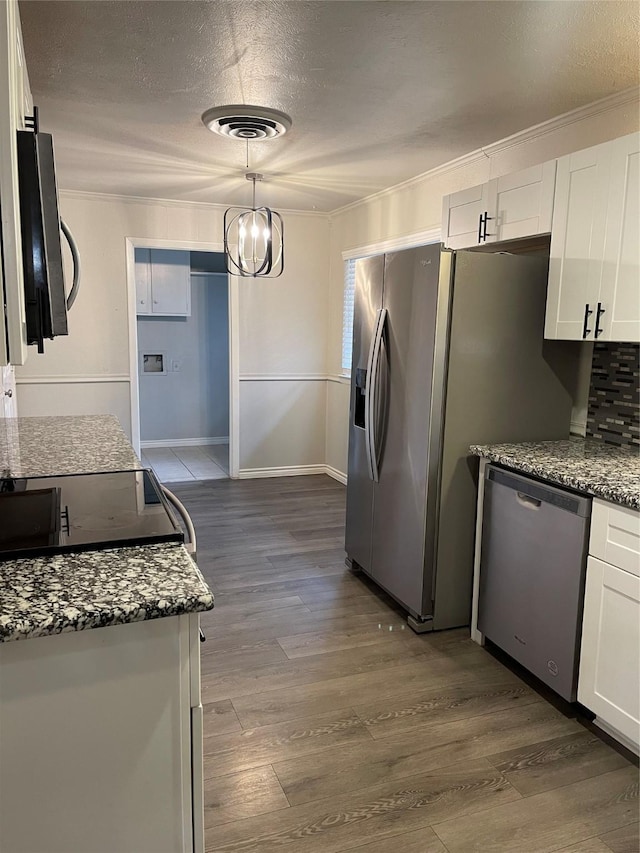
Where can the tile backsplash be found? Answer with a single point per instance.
(614, 394)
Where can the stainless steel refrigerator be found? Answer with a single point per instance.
(448, 351)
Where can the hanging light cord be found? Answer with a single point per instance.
(253, 180)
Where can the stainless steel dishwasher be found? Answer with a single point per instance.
(532, 570)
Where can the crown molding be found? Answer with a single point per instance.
(171, 202)
(450, 166)
(393, 244)
(611, 102)
(620, 99)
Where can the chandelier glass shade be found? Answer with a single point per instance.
(253, 239)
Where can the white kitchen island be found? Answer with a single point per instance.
(100, 712)
(97, 733)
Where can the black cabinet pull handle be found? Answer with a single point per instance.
(587, 313)
(482, 226)
(599, 313)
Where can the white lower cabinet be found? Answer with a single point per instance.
(101, 741)
(609, 678)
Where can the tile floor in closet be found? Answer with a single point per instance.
(184, 464)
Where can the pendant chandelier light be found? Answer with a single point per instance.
(253, 239)
(253, 236)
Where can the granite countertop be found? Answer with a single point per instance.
(587, 465)
(94, 589)
(75, 444)
(88, 589)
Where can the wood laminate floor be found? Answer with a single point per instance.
(331, 726)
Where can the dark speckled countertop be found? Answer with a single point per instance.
(93, 589)
(602, 470)
(90, 589)
(74, 444)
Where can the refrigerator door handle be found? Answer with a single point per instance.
(367, 397)
(372, 392)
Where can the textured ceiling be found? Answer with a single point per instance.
(378, 91)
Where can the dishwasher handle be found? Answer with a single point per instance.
(533, 493)
(528, 501)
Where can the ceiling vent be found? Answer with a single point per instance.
(241, 121)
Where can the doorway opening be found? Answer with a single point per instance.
(181, 361)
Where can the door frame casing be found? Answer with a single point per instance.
(133, 243)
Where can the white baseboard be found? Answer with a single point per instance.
(290, 471)
(287, 471)
(337, 475)
(184, 442)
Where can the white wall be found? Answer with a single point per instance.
(416, 206)
(337, 427)
(282, 326)
(190, 400)
(274, 404)
(289, 328)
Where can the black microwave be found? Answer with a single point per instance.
(44, 290)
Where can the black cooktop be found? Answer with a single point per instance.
(40, 516)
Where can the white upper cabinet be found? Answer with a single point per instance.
(620, 284)
(521, 204)
(577, 243)
(143, 281)
(170, 282)
(507, 208)
(463, 217)
(594, 270)
(163, 282)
